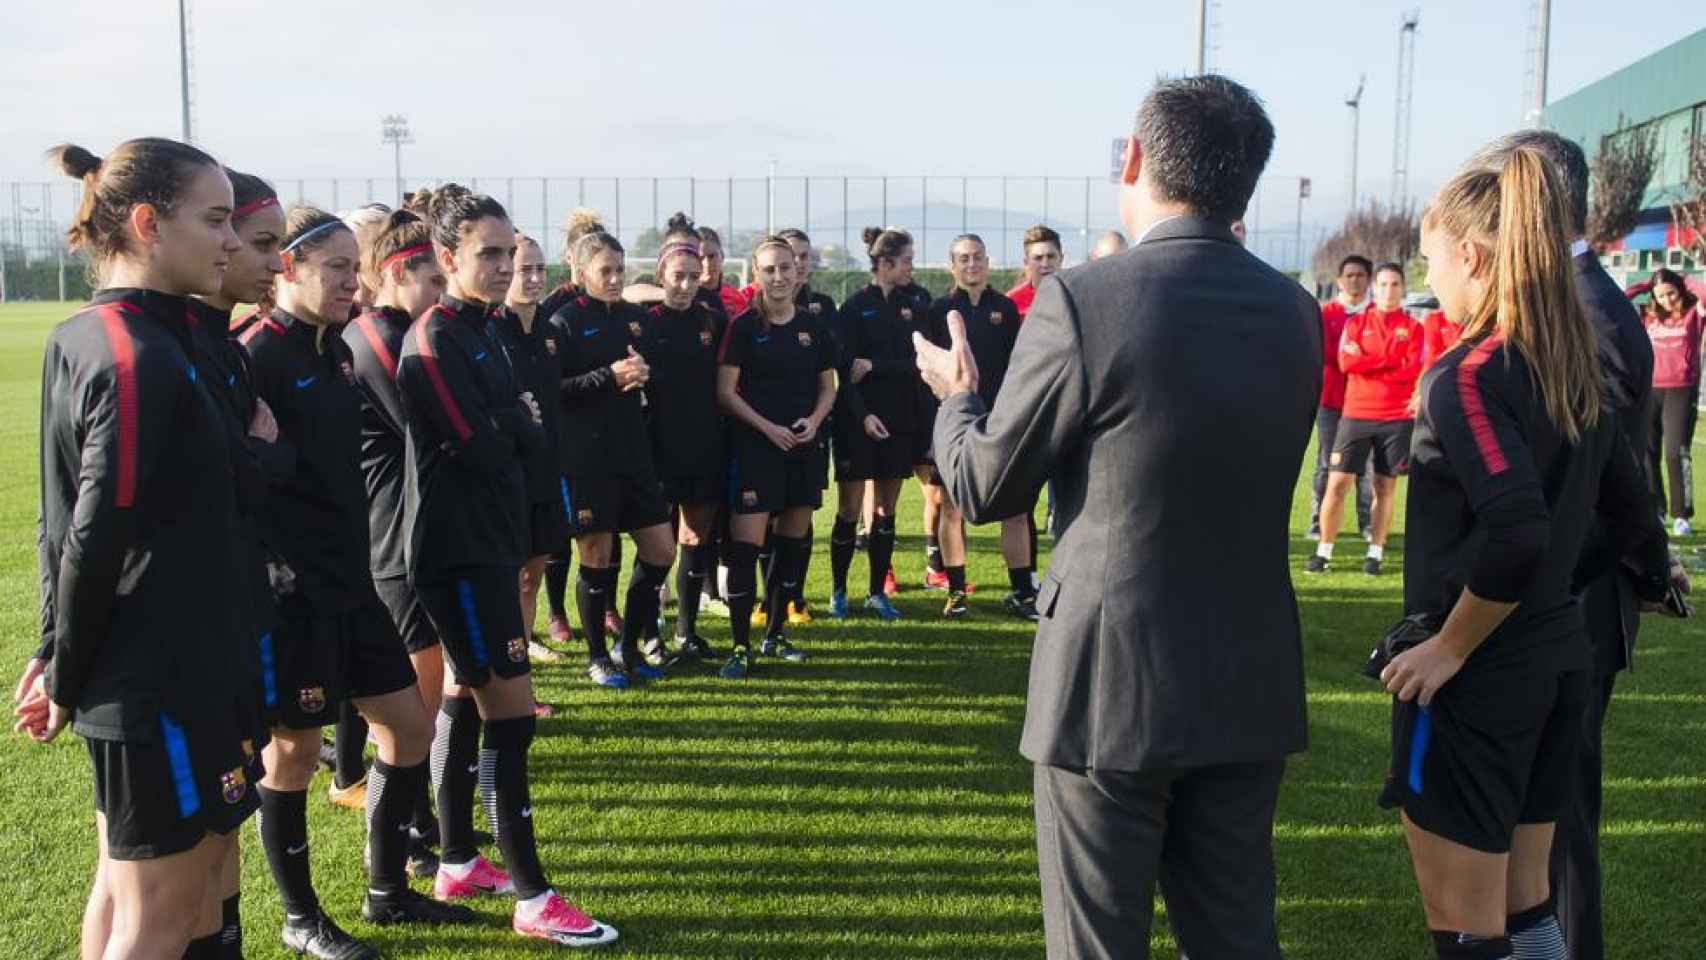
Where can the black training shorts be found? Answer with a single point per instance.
(407, 613)
(322, 658)
(764, 479)
(1387, 441)
(478, 615)
(890, 459)
(163, 795)
(701, 488)
(1496, 748)
(612, 503)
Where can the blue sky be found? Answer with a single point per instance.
(527, 88)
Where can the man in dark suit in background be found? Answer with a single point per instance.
(1169, 393)
(1609, 604)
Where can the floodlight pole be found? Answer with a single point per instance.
(184, 65)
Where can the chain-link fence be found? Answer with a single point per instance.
(833, 210)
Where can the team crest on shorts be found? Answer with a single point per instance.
(805, 339)
(348, 371)
(634, 328)
(704, 338)
(248, 749)
(583, 517)
(517, 650)
(311, 699)
(551, 346)
(233, 785)
(749, 498)
(1336, 458)
(814, 308)
(995, 317)
(906, 313)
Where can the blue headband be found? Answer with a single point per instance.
(322, 228)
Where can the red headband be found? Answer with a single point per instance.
(405, 254)
(252, 206)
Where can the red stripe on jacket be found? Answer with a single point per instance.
(1469, 394)
(368, 330)
(429, 360)
(129, 401)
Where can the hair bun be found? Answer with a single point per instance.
(870, 235)
(76, 161)
(680, 223)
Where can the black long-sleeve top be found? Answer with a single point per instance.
(1500, 503)
(375, 341)
(466, 497)
(532, 357)
(139, 539)
(604, 427)
(681, 398)
(879, 329)
(316, 518)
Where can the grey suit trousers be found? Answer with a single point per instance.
(1105, 839)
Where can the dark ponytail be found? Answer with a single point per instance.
(151, 170)
(884, 243)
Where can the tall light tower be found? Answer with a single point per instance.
(1201, 64)
(1540, 53)
(394, 129)
(184, 64)
(1401, 115)
(1354, 101)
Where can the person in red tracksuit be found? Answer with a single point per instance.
(1439, 334)
(1380, 353)
(1042, 257)
(1355, 272)
(1674, 320)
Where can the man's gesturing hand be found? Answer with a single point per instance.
(947, 372)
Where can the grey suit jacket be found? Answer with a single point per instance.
(1609, 603)
(1169, 392)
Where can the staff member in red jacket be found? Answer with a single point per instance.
(1354, 274)
(1042, 257)
(1439, 334)
(1381, 355)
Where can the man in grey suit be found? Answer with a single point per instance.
(1169, 393)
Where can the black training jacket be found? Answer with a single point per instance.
(532, 358)
(604, 428)
(466, 498)
(880, 329)
(375, 341)
(317, 516)
(139, 543)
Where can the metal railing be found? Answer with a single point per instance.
(833, 210)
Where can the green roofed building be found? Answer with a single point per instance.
(1666, 90)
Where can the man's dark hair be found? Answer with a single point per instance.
(1566, 157)
(1205, 141)
(1365, 263)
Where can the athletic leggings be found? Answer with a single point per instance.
(1675, 410)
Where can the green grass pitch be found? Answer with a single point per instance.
(870, 803)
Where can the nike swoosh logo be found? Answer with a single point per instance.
(870, 313)
(760, 339)
(527, 813)
(480, 356)
(305, 383)
(294, 851)
(590, 332)
(473, 768)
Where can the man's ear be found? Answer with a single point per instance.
(1133, 162)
